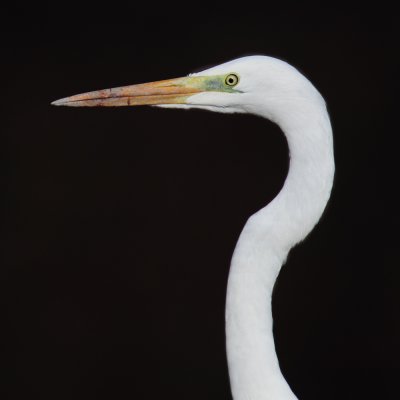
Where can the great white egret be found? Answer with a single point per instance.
(273, 89)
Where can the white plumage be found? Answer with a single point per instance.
(275, 90)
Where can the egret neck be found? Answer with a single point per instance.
(261, 251)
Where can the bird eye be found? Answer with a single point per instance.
(231, 80)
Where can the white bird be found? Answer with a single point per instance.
(273, 89)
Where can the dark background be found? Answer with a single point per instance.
(119, 224)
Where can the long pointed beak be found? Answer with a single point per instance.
(171, 91)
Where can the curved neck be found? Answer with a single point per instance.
(262, 249)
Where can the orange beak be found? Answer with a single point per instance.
(171, 91)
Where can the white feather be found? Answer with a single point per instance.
(275, 90)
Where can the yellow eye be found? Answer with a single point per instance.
(232, 80)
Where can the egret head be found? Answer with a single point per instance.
(254, 84)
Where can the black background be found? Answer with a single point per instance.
(119, 224)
